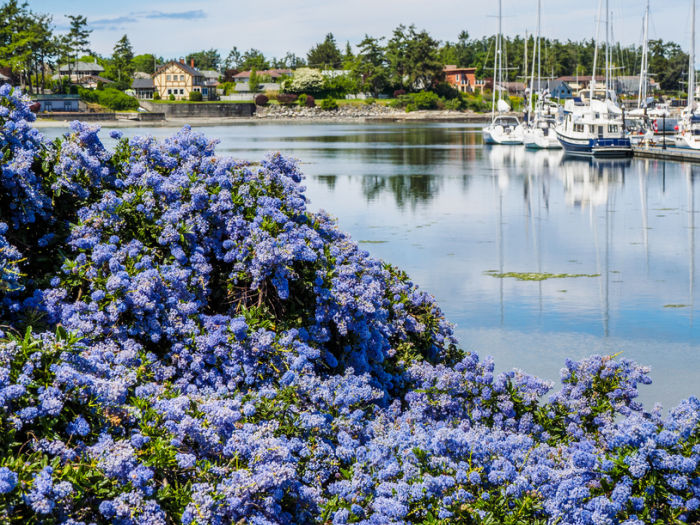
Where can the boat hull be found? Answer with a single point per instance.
(687, 142)
(594, 147)
(534, 140)
(495, 136)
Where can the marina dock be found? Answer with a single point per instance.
(668, 153)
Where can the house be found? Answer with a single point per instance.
(514, 89)
(143, 88)
(79, 69)
(179, 80)
(629, 85)
(581, 82)
(557, 89)
(92, 81)
(49, 103)
(4, 78)
(210, 74)
(274, 75)
(461, 78)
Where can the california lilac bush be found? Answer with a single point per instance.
(183, 341)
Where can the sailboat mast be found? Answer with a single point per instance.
(539, 43)
(595, 49)
(496, 65)
(645, 59)
(535, 54)
(607, 48)
(691, 60)
(500, 46)
(525, 57)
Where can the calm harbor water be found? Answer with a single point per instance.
(431, 199)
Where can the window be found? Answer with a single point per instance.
(182, 91)
(578, 128)
(170, 92)
(182, 77)
(612, 128)
(167, 78)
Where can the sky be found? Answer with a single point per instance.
(174, 28)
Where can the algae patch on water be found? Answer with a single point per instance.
(676, 305)
(533, 276)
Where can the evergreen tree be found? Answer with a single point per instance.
(348, 56)
(254, 58)
(370, 66)
(233, 59)
(293, 61)
(254, 81)
(77, 40)
(122, 57)
(325, 55)
(205, 59)
(414, 59)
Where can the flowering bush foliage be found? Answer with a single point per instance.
(185, 342)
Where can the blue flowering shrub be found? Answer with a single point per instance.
(183, 341)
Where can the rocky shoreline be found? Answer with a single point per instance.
(365, 112)
(345, 113)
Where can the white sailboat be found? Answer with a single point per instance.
(597, 128)
(688, 135)
(503, 129)
(540, 134)
(643, 120)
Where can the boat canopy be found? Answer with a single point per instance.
(503, 106)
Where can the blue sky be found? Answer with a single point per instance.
(176, 27)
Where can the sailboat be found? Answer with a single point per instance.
(540, 133)
(688, 135)
(502, 129)
(643, 120)
(597, 128)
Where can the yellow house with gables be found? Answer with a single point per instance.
(179, 80)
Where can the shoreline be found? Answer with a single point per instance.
(466, 117)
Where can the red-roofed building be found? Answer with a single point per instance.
(461, 78)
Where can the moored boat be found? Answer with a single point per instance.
(595, 129)
(503, 129)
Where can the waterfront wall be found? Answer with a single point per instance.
(194, 109)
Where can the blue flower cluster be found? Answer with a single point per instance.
(200, 348)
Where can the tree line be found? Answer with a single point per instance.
(409, 58)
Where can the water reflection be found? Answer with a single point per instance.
(589, 182)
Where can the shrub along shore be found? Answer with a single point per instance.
(183, 341)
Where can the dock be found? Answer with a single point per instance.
(668, 153)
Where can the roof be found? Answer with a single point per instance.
(142, 83)
(581, 78)
(452, 68)
(210, 73)
(548, 84)
(56, 97)
(273, 73)
(96, 78)
(3, 77)
(80, 67)
(187, 69)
